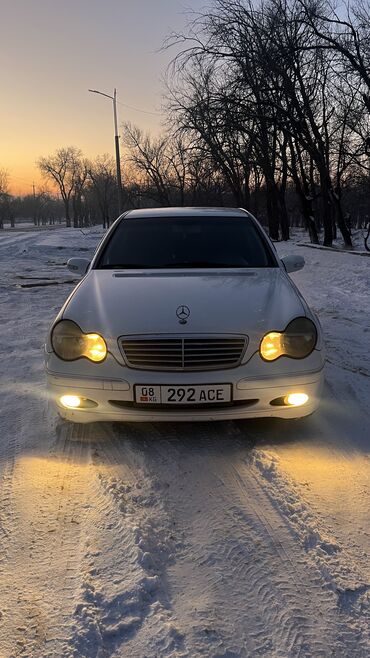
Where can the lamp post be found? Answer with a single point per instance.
(116, 140)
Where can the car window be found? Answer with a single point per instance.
(172, 242)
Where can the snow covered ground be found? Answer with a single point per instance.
(224, 540)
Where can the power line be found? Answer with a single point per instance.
(137, 109)
(131, 107)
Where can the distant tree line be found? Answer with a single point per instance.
(268, 107)
(41, 207)
(85, 192)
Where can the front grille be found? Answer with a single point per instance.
(177, 353)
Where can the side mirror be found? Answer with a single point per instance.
(78, 265)
(293, 263)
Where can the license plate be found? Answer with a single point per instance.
(198, 394)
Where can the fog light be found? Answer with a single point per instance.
(296, 399)
(70, 401)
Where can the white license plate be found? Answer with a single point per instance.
(198, 394)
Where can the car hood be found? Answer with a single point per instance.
(116, 303)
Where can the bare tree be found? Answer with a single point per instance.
(148, 156)
(205, 115)
(346, 32)
(80, 217)
(101, 172)
(63, 168)
(255, 84)
(222, 94)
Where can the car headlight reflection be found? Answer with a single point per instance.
(297, 341)
(70, 343)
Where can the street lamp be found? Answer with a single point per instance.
(116, 140)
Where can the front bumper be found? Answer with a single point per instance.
(252, 390)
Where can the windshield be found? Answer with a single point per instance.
(173, 242)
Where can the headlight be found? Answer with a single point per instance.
(297, 341)
(70, 343)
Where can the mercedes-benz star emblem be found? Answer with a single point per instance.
(183, 313)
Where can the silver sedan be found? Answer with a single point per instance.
(185, 314)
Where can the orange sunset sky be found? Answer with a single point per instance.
(52, 51)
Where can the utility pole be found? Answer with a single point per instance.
(118, 159)
(116, 142)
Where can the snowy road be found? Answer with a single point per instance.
(224, 540)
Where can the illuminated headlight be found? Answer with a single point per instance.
(70, 343)
(296, 341)
(70, 401)
(75, 402)
(296, 399)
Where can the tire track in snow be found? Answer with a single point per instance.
(124, 598)
(242, 585)
(338, 571)
(326, 511)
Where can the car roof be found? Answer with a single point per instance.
(187, 212)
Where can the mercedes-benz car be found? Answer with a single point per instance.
(185, 314)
